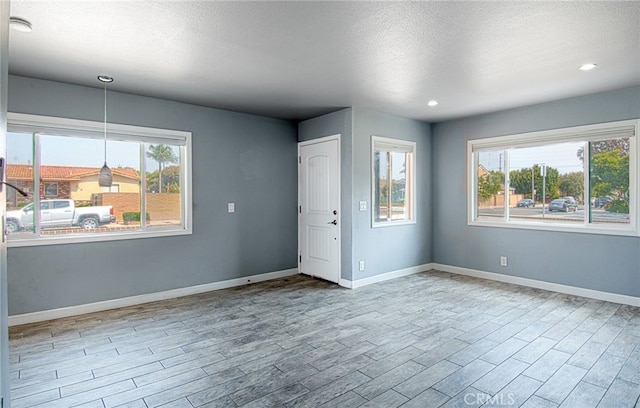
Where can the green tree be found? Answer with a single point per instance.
(162, 154)
(609, 171)
(520, 180)
(620, 145)
(572, 184)
(170, 180)
(152, 181)
(610, 174)
(490, 184)
(553, 180)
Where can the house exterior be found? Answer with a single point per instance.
(497, 200)
(70, 182)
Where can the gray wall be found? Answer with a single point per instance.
(388, 249)
(600, 262)
(340, 122)
(246, 159)
(383, 249)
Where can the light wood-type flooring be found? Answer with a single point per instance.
(426, 340)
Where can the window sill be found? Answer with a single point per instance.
(392, 223)
(623, 230)
(95, 237)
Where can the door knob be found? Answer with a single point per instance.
(334, 222)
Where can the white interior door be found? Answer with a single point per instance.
(319, 205)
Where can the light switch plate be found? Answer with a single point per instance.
(231, 207)
(363, 206)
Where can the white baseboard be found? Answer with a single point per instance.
(553, 287)
(192, 290)
(385, 276)
(146, 298)
(345, 283)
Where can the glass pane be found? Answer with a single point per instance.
(609, 181)
(490, 184)
(19, 169)
(547, 183)
(78, 203)
(164, 185)
(399, 202)
(380, 184)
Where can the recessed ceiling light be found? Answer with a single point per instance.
(432, 103)
(587, 67)
(19, 24)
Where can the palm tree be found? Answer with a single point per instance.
(162, 154)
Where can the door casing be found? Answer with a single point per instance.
(325, 139)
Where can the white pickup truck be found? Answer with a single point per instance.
(59, 213)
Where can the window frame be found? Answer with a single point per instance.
(115, 188)
(50, 183)
(18, 122)
(410, 182)
(586, 133)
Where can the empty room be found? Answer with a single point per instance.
(319, 204)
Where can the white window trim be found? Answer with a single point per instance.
(576, 133)
(400, 145)
(88, 129)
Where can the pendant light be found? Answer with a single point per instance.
(20, 24)
(105, 178)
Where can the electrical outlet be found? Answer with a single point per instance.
(361, 266)
(503, 261)
(363, 206)
(231, 207)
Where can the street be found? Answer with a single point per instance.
(535, 214)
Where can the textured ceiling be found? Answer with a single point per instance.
(296, 60)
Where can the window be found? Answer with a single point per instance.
(51, 189)
(151, 176)
(393, 181)
(580, 179)
(114, 188)
(61, 204)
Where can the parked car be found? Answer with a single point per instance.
(602, 201)
(563, 204)
(59, 213)
(526, 202)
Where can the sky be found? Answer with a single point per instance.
(74, 151)
(561, 156)
(68, 151)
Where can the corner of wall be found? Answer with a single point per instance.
(338, 122)
(431, 201)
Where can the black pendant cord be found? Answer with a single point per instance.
(105, 177)
(105, 123)
(18, 189)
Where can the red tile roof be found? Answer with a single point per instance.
(25, 172)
